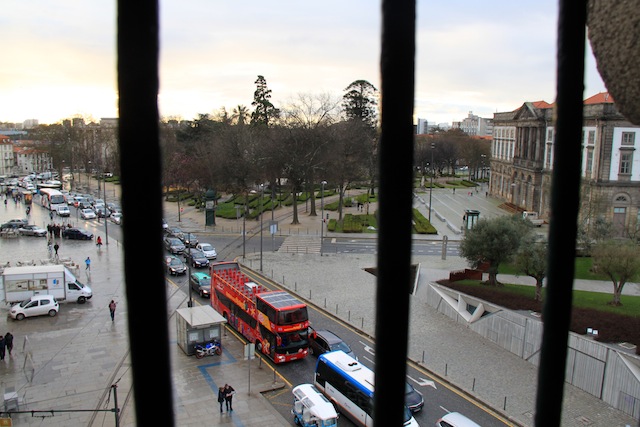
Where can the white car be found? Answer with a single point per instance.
(116, 218)
(64, 211)
(208, 250)
(87, 214)
(37, 305)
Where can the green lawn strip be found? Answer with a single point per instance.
(582, 270)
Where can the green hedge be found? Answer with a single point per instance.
(421, 225)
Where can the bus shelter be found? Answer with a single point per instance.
(198, 325)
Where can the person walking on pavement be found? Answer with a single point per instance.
(112, 309)
(220, 397)
(8, 342)
(2, 348)
(88, 264)
(99, 242)
(228, 396)
(55, 248)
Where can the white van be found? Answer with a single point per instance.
(455, 419)
(312, 408)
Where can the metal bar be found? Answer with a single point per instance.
(396, 181)
(565, 197)
(138, 83)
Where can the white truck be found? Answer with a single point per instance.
(533, 218)
(21, 283)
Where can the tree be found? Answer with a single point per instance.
(360, 102)
(619, 261)
(531, 259)
(493, 241)
(265, 112)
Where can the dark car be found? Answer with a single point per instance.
(174, 265)
(76, 234)
(322, 341)
(413, 398)
(189, 239)
(201, 283)
(174, 245)
(14, 224)
(196, 258)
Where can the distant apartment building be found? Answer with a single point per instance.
(424, 127)
(30, 157)
(522, 160)
(6, 156)
(474, 125)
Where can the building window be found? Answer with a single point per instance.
(592, 137)
(549, 135)
(626, 157)
(548, 159)
(628, 138)
(589, 161)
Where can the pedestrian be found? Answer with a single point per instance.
(2, 348)
(228, 396)
(112, 309)
(55, 248)
(51, 215)
(8, 342)
(50, 248)
(220, 397)
(88, 264)
(99, 242)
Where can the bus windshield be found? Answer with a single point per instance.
(290, 317)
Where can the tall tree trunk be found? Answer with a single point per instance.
(539, 288)
(294, 194)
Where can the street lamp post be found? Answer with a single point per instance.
(323, 183)
(106, 230)
(261, 204)
(431, 185)
(89, 179)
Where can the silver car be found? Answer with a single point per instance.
(174, 245)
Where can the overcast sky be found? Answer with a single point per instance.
(59, 57)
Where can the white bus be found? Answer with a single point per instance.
(51, 198)
(349, 385)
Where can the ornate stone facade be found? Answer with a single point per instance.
(522, 161)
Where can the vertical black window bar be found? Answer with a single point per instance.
(565, 197)
(138, 83)
(396, 195)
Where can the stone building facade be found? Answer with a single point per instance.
(522, 161)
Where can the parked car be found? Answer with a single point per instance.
(201, 283)
(196, 258)
(208, 249)
(88, 213)
(174, 245)
(100, 211)
(189, 239)
(14, 223)
(32, 230)
(174, 265)
(413, 398)
(174, 232)
(37, 305)
(116, 218)
(322, 341)
(76, 234)
(63, 211)
(455, 419)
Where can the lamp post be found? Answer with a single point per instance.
(323, 183)
(106, 230)
(89, 179)
(261, 204)
(431, 185)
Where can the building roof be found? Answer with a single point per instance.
(541, 104)
(600, 98)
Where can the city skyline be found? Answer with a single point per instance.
(480, 58)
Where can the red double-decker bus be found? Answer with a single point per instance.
(276, 321)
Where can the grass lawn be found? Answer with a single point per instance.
(590, 309)
(582, 270)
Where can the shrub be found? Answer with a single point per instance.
(421, 225)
